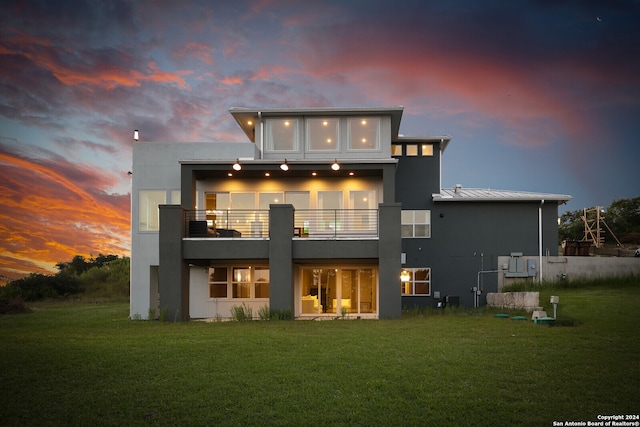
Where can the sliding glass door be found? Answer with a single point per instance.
(338, 291)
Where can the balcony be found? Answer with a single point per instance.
(237, 223)
(320, 224)
(336, 223)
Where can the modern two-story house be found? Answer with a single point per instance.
(323, 212)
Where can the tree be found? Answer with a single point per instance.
(623, 216)
(571, 226)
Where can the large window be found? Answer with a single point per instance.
(244, 282)
(322, 134)
(149, 215)
(282, 135)
(416, 281)
(364, 133)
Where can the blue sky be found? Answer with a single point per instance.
(538, 96)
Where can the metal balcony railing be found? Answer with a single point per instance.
(308, 223)
(336, 223)
(238, 223)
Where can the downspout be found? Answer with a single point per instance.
(540, 242)
(261, 134)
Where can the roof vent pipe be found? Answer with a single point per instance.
(457, 188)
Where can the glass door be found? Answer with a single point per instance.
(338, 291)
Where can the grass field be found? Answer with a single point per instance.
(83, 364)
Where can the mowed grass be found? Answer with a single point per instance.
(81, 364)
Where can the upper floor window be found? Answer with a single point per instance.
(149, 215)
(412, 150)
(322, 134)
(427, 149)
(364, 133)
(282, 135)
(416, 223)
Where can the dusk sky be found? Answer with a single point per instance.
(538, 96)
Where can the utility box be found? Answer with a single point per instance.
(516, 266)
(555, 299)
(531, 267)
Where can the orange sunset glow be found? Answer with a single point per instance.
(537, 96)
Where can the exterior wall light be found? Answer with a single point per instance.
(405, 276)
(284, 166)
(335, 166)
(136, 135)
(237, 166)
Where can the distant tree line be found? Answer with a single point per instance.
(622, 216)
(105, 276)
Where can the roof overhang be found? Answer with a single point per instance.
(459, 194)
(247, 117)
(257, 168)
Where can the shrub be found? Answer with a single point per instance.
(281, 315)
(263, 313)
(241, 313)
(13, 306)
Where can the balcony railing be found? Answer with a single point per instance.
(227, 223)
(336, 223)
(308, 223)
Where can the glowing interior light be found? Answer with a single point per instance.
(329, 140)
(314, 173)
(364, 122)
(364, 140)
(325, 123)
(286, 123)
(249, 122)
(267, 174)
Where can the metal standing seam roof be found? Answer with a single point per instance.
(460, 194)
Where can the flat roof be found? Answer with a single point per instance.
(461, 194)
(246, 117)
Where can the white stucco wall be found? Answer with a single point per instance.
(156, 166)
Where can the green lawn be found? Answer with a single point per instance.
(81, 364)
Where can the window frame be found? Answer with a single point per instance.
(413, 224)
(231, 284)
(153, 224)
(270, 140)
(352, 145)
(412, 282)
(308, 140)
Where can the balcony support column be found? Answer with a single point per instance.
(389, 249)
(280, 258)
(173, 277)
